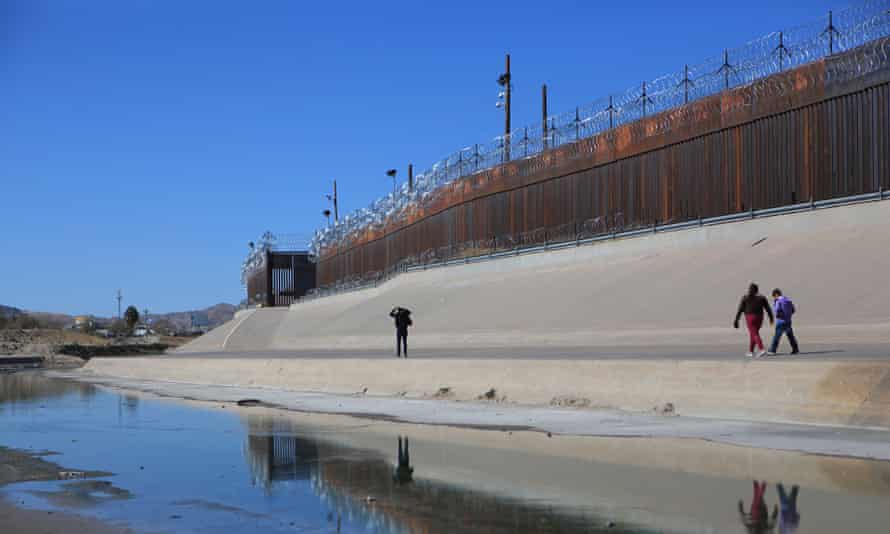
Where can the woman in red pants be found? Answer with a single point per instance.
(753, 305)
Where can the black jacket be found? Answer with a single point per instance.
(754, 305)
(402, 318)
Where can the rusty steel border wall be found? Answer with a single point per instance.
(816, 132)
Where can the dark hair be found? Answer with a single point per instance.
(753, 289)
(777, 292)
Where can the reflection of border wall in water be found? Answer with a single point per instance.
(817, 132)
(346, 477)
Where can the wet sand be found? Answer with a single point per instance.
(21, 466)
(861, 442)
(24, 521)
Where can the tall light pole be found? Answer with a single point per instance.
(333, 200)
(504, 81)
(544, 115)
(392, 174)
(119, 298)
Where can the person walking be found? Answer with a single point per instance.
(402, 317)
(753, 305)
(784, 309)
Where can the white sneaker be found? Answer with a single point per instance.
(770, 353)
(761, 354)
(749, 354)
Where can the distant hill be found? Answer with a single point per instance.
(208, 317)
(8, 312)
(182, 321)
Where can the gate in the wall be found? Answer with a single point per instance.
(282, 278)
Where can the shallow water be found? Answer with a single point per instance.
(199, 468)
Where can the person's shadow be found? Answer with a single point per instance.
(403, 473)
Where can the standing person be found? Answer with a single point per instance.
(753, 305)
(402, 317)
(784, 309)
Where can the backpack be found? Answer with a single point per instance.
(785, 309)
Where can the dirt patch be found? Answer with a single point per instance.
(21, 466)
(492, 395)
(444, 392)
(42, 341)
(667, 409)
(95, 351)
(84, 494)
(570, 401)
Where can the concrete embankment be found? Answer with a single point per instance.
(673, 289)
(855, 393)
(677, 288)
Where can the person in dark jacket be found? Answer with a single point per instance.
(753, 305)
(402, 317)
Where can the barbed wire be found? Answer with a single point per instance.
(756, 60)
(256, 257)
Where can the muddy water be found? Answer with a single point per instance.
(181, 467)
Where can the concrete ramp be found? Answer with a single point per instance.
(677, 288)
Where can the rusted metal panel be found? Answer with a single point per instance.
(747, 150)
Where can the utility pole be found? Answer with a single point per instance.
(119, 298)
(336, 213)
(544, 114)
(410, 177)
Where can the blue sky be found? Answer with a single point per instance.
(144, 143)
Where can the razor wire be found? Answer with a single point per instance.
(770, 54)
(269, 242)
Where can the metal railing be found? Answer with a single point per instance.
(563, 236)
(773, 53)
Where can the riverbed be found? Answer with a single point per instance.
(133, 460)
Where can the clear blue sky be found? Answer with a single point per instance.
(144, 143)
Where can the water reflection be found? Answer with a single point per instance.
(759, 521)
(273, 454)
(789, 517)
(30, 387)
(367, 488)
(404, 473)
(328, 474)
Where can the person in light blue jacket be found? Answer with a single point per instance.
(784, 309)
